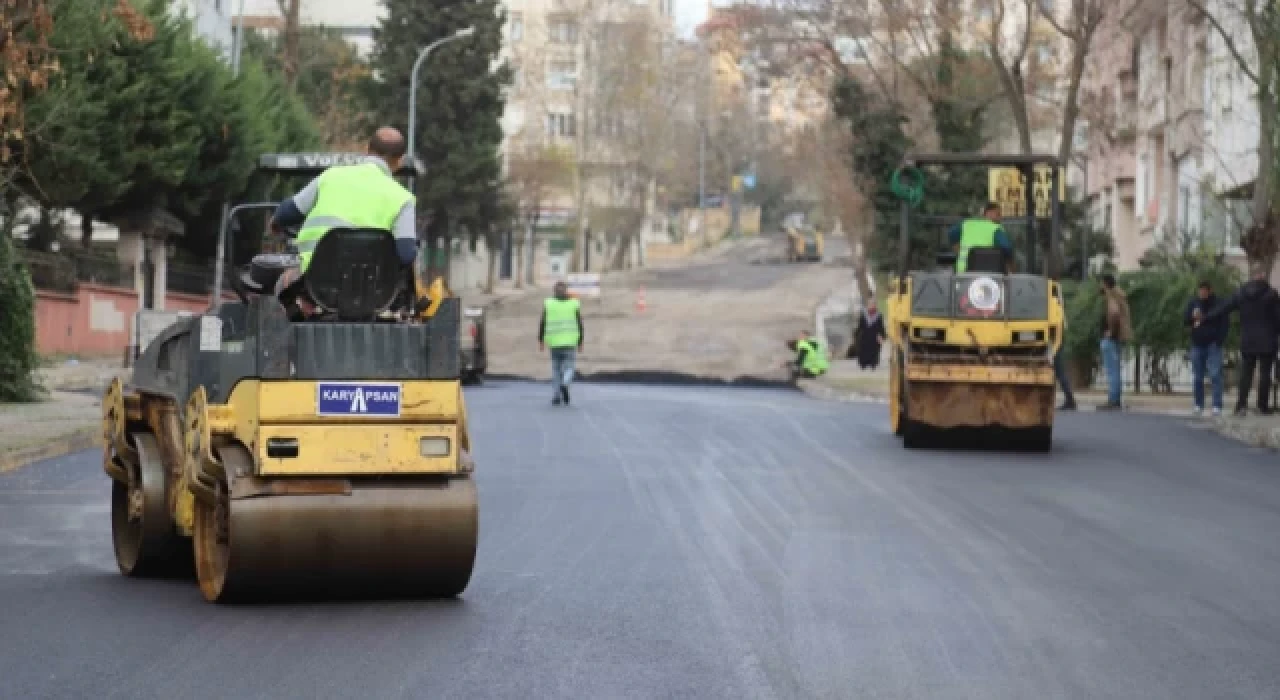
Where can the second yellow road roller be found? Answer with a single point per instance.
(280, 457)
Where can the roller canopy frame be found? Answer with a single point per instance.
(312, 164)
(1026, 163)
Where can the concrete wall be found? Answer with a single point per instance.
(96, 319)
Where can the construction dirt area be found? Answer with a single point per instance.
(721, 315)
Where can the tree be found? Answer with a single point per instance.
(31, 59)
(140, 122)
(460, 101)
(18, 359)
(330, 78)
(535, 172)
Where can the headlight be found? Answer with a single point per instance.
(433, 447)
(1028, 336)
(928, 333)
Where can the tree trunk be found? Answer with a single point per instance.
(86, 230)
(491, 280)
(518, 272)
(292, 31)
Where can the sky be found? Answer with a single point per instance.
(689, 14)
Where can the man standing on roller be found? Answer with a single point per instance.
(561, 330)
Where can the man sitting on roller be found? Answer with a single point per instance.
(349, 196)
(981, 233)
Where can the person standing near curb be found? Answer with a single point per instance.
(560, 329)
(1259, 307)
(1117, 330)
(1207, 340)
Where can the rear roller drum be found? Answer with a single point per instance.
(142, 532)
(405, 540)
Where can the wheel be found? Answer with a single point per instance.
(914, 434)
(1039, 439)
(142, 533)
(897, 395)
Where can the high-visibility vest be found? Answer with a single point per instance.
(975, 233)
(561, 329)
(351, 196)
(815, 361)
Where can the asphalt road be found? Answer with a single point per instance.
(655, 542)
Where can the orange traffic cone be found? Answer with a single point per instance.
(640, 305)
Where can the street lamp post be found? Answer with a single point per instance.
(413, 89)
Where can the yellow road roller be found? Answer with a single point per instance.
(285, 457)
(803, 245)
(972, 351)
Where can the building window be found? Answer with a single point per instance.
(516, 30)
(564, 31)
(561, 125)
(562, 74)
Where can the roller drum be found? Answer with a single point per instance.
(417, 540)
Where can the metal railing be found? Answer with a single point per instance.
(65, 272)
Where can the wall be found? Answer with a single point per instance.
(95, 321)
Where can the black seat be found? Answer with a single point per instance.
(354, 273)
(990, 260)
(265, 270)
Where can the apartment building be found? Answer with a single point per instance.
(1174, 135)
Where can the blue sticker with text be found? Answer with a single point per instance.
(358, 399)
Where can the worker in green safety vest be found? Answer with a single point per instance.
(561, 330)
(811, 357)
(350, 196)
(981, 233)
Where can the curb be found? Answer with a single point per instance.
(78, 441)
(1253, 435)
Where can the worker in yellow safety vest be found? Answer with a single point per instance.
(811, 357)
(980, 233)
(350, 196)
(561, 330)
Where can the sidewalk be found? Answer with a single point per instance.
(69, 420)
(845, 382)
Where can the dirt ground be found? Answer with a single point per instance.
(721, 315)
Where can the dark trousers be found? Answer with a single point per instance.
(1060, 372)
(1263, 363)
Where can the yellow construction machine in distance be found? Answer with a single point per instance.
(972, 353)
(803, 245)
(283, 457)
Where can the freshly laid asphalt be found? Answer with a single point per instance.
(695, 542)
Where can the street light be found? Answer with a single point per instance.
(413, 88)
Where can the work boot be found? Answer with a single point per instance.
(555, 401)
(1068, 405)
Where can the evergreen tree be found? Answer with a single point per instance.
(879, 144)
(460, 102)
(18, 359)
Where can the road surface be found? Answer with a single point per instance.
(658, 542)
(726, 314)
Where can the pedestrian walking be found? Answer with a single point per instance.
(560, 329)
(1117, 331)
(868, 337)
(1060, 368)
(1207, 341)
(1259, 307)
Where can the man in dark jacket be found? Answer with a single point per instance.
(1259, 308)
(1207, 340)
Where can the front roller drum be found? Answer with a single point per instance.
(407, 540)
(142, 532)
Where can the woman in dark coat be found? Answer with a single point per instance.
(868, 337)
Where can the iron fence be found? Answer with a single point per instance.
(65, 272)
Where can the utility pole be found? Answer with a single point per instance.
(220, 254)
